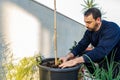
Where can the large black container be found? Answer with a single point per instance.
(47, 73)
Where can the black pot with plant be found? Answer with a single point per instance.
(48, 71)
(48, 68)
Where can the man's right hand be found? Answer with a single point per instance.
(67, 57)
(63, 59)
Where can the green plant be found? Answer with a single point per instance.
(23, 70)
(88, 4)
(103, 74)
(74, 45)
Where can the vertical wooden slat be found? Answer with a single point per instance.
(55, 34)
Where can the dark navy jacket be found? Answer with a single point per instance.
(105, 40)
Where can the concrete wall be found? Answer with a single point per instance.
(26, 27)
(39, 22)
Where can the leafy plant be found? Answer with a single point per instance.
(103, 74)
(23, 70)
(88, 4)
(74, 45)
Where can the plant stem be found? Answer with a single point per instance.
(55, 34)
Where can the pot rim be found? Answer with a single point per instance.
(68, 69)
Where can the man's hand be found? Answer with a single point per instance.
(67, 57)
(72, 62)
(69, 63)
(63, 59)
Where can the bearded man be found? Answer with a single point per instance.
(103, 35)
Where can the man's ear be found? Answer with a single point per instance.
(98, 20)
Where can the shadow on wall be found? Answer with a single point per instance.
(29, 27)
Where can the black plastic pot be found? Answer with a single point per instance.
(47, 73)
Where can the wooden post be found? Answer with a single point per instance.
(55, 34)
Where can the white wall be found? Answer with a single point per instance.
(29, 28)
(26, 27)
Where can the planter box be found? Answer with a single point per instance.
(47, 73)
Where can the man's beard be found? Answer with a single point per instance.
(94, 28)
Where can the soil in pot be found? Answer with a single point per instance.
(50, 63)
(48, 71)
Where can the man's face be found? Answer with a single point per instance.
(91, 23)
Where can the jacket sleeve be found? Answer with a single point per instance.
(82, 44)
(110, 37)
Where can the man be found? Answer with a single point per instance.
(103, 35)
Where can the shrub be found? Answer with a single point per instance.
(23, 70)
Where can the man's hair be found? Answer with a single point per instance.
(94, 11)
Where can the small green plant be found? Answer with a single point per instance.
(23, 70)
(39, 59)
(74, 45)
(59, 62)
(88, 4)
